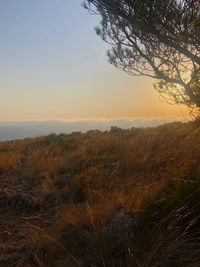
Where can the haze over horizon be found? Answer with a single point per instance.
(20, 130)
(54, 67)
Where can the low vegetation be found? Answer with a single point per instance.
(121, 197)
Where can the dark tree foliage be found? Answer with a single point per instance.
(155, 38)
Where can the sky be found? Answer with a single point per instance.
(54, 67)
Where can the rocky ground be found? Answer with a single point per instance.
(23, 212)
(20, 214)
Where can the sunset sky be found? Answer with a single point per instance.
(54, 67)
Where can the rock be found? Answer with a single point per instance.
(20, 201)
(121, 230)
(118, 234)
(17, 201)
(51, 200)
(122, 223)
(4, 200)
(2, 193)
(65, 196)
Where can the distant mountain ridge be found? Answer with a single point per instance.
(18, 130)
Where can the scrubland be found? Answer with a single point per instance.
(116, 198)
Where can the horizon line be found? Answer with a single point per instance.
(99, 120)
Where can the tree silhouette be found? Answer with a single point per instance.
(155, 38)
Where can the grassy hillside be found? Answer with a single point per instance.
(118, 198)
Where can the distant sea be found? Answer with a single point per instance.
(19, 130)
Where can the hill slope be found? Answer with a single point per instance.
(69, 200)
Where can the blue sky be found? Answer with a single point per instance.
(54, 67)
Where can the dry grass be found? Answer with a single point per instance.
(9, 161)
(151, 174)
